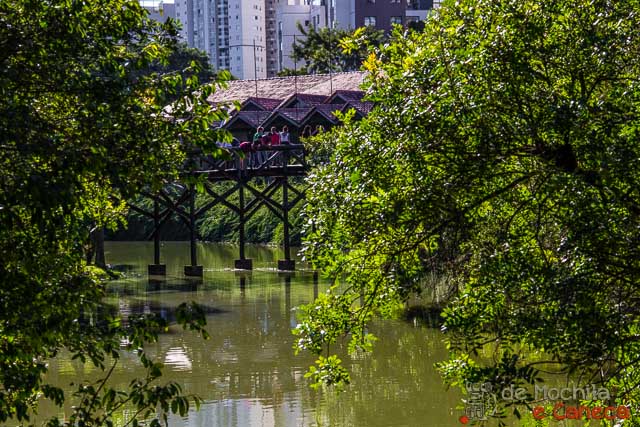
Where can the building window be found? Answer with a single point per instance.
(370, 21)
(396, 20)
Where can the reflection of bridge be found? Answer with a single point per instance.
(274, 165)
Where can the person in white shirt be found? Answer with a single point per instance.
(284, 135)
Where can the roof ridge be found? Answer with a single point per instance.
(300, 76)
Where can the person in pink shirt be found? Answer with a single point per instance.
(275, 136)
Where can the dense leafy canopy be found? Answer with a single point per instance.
(503, 155)
(179, 61)
(323, 50)
(82, 128)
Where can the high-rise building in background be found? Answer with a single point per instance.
(254, 38)
(159, 10)
(288, 15)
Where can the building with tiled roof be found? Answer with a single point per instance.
(267, 104)
(302, 100)
(295, 102)
(323, 115)
(290, 117)
(243, 124)
(344, 96)
(362, 108)
(283, 87)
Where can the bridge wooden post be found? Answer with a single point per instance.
(194, 269)
(286, 264)
(156, 269)
(243, 263)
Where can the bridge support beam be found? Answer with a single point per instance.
(177, 201)
(194, 269)
(156, 269)
(286, 264)
(243, 263)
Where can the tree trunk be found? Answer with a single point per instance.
(97, 236)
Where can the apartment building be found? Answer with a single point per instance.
(159, 10)
(417, 10)
(254, 38)
(381, 14)
(288, 14)
(247, 44)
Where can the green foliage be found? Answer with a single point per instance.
(290, 72)
(328, 372)
(182, 61)
(181, 58)
(500, 151)
(327, 50)
(81, 129)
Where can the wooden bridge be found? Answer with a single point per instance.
(274, 165)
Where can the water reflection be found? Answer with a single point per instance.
(247, 372)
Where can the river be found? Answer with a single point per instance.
(247, 372)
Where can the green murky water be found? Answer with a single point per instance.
(247, 372)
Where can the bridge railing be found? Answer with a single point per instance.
(264, 159)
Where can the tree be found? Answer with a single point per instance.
(81, 130)
(322, 50)
(179, 61)
(500, 154)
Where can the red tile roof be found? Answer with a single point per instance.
(294, 115)
(363, 108)
(347, 95)
(282, 87)
(268, 104)
(326, 110)
(296, 99)
(251, 118)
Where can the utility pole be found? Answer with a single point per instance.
(255, 60)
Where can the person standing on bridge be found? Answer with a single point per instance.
(257, 137)
(306, 132)
(284, 135)
(275, 136)
(257, 142)
(275, 140)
